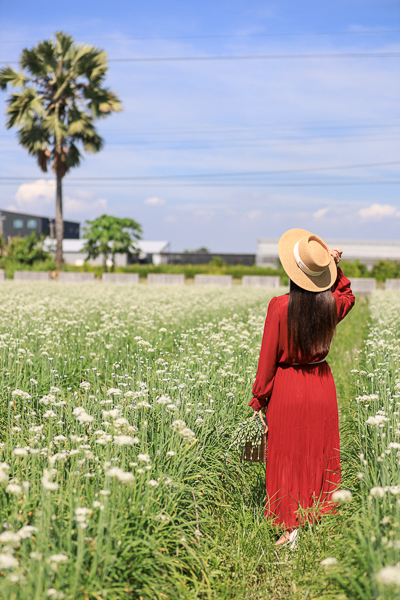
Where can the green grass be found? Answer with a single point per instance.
(199, 530)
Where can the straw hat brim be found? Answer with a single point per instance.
(307, 282)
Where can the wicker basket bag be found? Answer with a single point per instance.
(251, 439)
(256, 453)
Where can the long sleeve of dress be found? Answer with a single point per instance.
(343, 295)
(268, 360)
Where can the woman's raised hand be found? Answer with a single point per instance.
(337, 254)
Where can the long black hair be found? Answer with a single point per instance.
(311, 320)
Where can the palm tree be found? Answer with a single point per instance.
(62, 94)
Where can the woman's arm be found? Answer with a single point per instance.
(343, 295)
(267, 363)
(341, 289)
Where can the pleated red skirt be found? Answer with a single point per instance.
(303, 460)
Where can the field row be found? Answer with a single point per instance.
(115, 409)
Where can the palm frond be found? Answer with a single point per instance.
(8, 75)
(34, 138)
(40, 60)
(63, 43)
(73, 156)
(22, 105)
(102, 101)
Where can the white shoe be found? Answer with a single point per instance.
(292, 541)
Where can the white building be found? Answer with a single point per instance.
(150, 251)
(368, 252)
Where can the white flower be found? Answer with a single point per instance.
(163, 400)
(36, 555)
(342, 496)
(54, 594)
(33, 381)
(21, 394)
(389, 575)
(170, 453)
(144, 457)
(328, 562)
(394, 445)
(13, 488)
(377, 492)
(84, 418)
(20, 452)
(47, 483)
(143, 404)
(55, 390)
(7, 561)
(9, 537)
(121, 475)
(120, 422)
(85, 385)
(97, 504)
(78, 410)
(187, 434)
(114, 414)
(153, 483)
(125, 440)
(26, 531)
(377, 421)
(49, 414)
(104, 492)
(178, 425)
(58, 558)
(114, 392)
(394, 489)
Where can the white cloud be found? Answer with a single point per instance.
(170, 219)
(320, 213)
(75, 207)
(378, 211)
(254, 214)
(36, 196)
(154, 201)
(39, 196)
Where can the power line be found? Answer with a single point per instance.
(212, 175)
(224, 36)
(250, 57)
(240, 184)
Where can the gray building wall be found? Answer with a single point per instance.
(13, 224)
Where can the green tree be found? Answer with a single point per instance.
(27, 250)
(109, 235)
(62, 94)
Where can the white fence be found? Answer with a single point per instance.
(261, 281)
(392, 284)
(120, 277)
(225, 280)
(2, 275)
(70, 277)
(31, 276)
(363, 285)
(162, 279)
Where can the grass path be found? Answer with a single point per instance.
(243, 541)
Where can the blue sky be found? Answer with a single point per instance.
(226, 151)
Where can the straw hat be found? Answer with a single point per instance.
(306, 259)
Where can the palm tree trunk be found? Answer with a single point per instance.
(59, 223)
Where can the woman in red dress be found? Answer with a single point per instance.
(295, 383)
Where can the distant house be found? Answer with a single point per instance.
(13, 224)
(368, 252)
(148, 252)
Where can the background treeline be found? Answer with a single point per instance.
(27, 253)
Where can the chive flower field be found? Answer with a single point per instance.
(117, 480)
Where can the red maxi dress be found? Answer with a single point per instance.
(303, 458)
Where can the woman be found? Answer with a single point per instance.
(295, 383)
